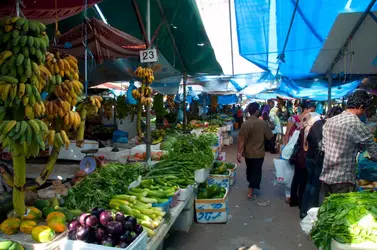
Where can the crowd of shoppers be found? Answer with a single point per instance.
(324, 155)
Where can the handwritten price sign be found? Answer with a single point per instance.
(222, 182)
(209, 216)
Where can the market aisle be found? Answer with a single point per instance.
(274, 227)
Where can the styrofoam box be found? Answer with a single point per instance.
(226, 141)
(222, 180)
(74, 152)
(363, 246)
(184, 194)
(212, 210)
(201, 175)
(140, 243)
(233, 174)
(222, 156)
(112, 156)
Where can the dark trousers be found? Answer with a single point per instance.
(298, 185)
(340, 188)
(313, 186)
(273, 144)
(254, 172)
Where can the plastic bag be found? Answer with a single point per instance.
(288, 149)
(284, 172)
(367, 169)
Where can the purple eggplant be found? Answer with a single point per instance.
(91, 221)
(132, 220)
(83, 233)
(82, 218)
(97, 211)
(105, 218)
(120, 217)
(126, 237)
(92, 235)
(115, 228)
(138, 229)
(100, 234)
(128, 225)
(72, 234)
(122, 245)
(73, 224)
(133, 236)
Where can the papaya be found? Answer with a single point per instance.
(47, 210)
(58, 224)
(10, 226)
(42, 234)
(33, 214)
(27, 226)
(56, 214)
(41, 204)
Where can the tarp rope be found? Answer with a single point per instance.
(281, 56)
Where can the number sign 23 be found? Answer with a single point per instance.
(147, 56)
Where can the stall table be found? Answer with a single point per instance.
(157, 241)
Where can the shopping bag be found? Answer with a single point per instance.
(288, 149)
(367, 168)
(284, 172)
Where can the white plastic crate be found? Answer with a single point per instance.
(140, 243)
(201, 175)
(184, 220)
(212, 210)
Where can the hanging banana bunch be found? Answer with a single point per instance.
(144, 93)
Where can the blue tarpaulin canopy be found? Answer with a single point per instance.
(262, 27)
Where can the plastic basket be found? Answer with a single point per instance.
(165, 206)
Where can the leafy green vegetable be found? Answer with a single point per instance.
(97, 189)
(346, 218)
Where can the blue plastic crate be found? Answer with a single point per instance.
(164, 206)
(120, 136)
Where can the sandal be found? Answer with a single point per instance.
(251, 194)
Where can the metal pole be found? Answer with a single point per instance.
(329, 79)
(231, 34)
(18, 8)
(148, 108)
(184, 102)
(86, 46)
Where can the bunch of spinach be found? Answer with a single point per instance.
(346, 218)
(96, 189)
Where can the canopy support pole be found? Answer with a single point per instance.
(340, 53)
(141, 24)
(231, 35)
(148, 107)
(281, 56)
(329, 79)
(156, 33)
(86, 46)
(163, 16)
(184, 103)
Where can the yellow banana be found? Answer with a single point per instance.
(50, 138)
(65, 139)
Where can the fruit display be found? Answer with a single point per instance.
(143, 94)
(155, 156)
(157, 136)
(211, 129)
(29, 124)
(10, 245)
(210, 191)
(124, 109)
(221, 168)
(103, 227)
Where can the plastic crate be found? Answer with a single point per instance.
(140, 243)
(184, 194)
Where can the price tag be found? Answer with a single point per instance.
(149, 55)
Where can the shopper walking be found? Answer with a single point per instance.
(294, 123)
(314, 162)
(251, 146)
(239, 115)
(343, 136)
(276, 131)
(298, 159)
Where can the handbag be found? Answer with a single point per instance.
(284, 172)
(287, 151)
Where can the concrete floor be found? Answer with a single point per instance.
(273, 227)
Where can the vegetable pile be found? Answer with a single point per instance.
(211, 191)
(346, 218)
(104, 228)
(96, 189)
(221, 168)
